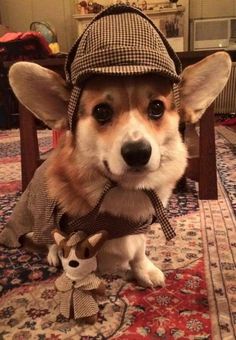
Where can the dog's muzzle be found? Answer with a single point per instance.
(136, 154)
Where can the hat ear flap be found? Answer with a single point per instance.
(97, 240)
(58, 236)
(89, 247)
(61, 242)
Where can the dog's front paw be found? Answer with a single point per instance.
(52, 257)
(156, 277)
(148, 275)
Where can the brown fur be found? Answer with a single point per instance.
(68, 181)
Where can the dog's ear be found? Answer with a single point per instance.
(201, 83)
(42, 91)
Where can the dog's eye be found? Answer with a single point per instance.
(102, 113)
(156, 109)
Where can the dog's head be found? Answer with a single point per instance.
(123, 117)
(77, 251)
(127, 128)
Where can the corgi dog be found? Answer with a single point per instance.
(127, 132)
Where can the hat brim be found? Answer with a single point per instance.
(126, 70)
(123, 60)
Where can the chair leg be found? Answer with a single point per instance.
(207, 161)
(29, 145)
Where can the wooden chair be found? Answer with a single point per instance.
(8, 101)
(202, 167)
(28, 48)
(30, 156)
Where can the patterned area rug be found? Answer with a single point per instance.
(198, 301)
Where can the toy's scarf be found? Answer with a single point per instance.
(76, 296)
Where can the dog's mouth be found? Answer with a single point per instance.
(130, 171)
(130, 178)
(106, 165)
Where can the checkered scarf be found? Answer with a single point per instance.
(96, 219)
(121, 40)
(76, 296)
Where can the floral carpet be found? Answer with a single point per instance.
(198, 301)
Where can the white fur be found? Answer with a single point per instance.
(168, 154)
(127, 253)
(132, 131)
(52, 256)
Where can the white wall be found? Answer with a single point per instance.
(18, 15)
(212, 8)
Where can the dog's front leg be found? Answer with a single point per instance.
(144, 271)
(52, 256)
(126, 253)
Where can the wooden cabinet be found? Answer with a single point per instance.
(171, 21)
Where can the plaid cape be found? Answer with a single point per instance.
(37, 212)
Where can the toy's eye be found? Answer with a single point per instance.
(103, 113)
(156, 109)
(82, 252)
(63, 252)
(86, 253)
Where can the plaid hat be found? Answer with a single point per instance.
(75, 238)
(120, 40)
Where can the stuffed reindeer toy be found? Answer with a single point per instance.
(78, 284)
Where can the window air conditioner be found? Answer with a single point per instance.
(219, 33)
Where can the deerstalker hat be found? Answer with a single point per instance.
(120, 40)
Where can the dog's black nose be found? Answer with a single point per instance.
(73, 263)
(136, 154)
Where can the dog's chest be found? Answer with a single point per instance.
(127, 203)
(119, 212)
